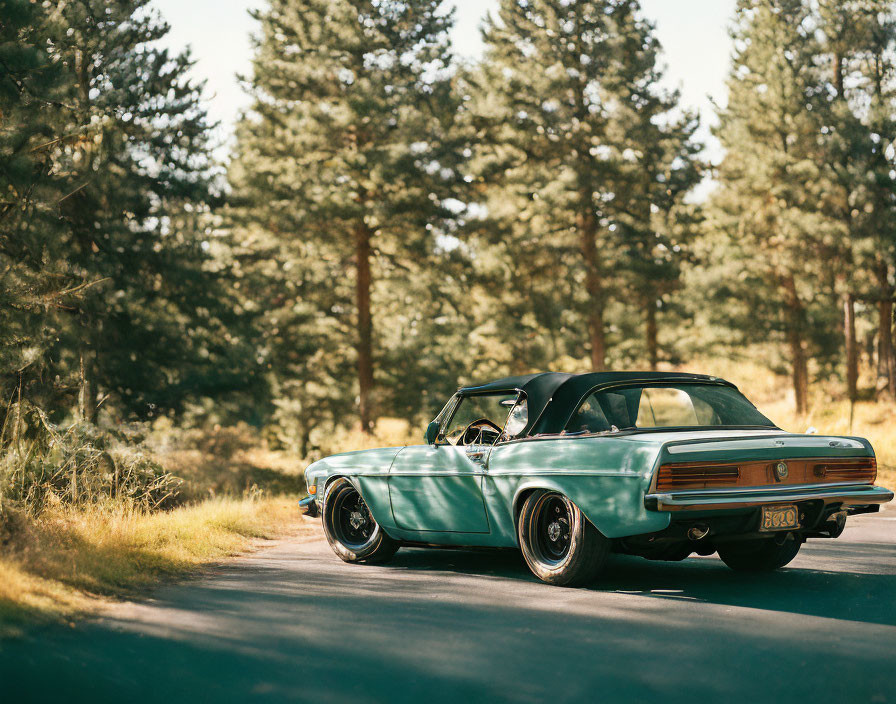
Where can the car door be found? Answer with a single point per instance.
(439, 488)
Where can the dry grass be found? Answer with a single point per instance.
(68, 560)
(388, 432)
(224, 461)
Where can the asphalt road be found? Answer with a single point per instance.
(293, 623)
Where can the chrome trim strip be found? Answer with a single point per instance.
(443, 473)
(564, 473)
(758, 495)
(775, 489)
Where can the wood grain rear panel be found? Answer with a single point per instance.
(811, 470)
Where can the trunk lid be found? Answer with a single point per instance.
(737, 446)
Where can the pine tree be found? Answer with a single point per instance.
(570, 168)
(844, 137)
(660, 166)
(860, 37)
(770, 200)
(125, 147)
(341, 179)
(878, 68)
(33, 285)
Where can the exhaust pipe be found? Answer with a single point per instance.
(834, 525)
(698, 531)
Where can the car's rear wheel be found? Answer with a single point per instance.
(351, 529)
(762, 555)
(559, 544)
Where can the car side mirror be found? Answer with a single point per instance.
(432, 433)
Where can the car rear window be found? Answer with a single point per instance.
(665, 406)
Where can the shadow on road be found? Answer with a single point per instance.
(296, 624)
(797, 589)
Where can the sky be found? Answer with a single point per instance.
(693, 34)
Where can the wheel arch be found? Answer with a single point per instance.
(333, 477)
(527, 488)
(378, 505)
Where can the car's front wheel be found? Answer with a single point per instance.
(350, 528)
(763, 555)
(559, 544)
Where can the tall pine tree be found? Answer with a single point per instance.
(140, 159)
(341, 181)
(32, 282)
(770, 200)
(860, 135)
(574, 141)
(107, 176)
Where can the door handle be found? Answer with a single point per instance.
(478, 455)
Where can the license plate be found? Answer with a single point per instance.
(779, 517)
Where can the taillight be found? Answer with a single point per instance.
(864, 470)
(696, 476)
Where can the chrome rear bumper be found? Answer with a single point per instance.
(708, 499)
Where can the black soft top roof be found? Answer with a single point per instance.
(552, 397)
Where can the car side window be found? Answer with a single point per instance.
(589, 418)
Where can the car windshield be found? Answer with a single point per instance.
(665, 406)
(489, 407)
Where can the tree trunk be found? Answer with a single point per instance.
(86, 390)
(365, 327)
(798, 358)
(652, 345)
(838, 73)
(886, 359)
(849, 308)
(800, 370)
(852, 352)
(593, 286)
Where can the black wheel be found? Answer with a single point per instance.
(560, 545)
(350, 528)
(762, 555)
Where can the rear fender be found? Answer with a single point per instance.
(614, 504)
(527, 488)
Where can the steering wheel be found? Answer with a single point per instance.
(476, 432)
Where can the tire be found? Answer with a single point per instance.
(559, 544)
(763, 555)
(350, 528)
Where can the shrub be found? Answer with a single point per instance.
(43, 464)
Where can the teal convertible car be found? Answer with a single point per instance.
(571, 467)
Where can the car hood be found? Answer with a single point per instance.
(349, 463)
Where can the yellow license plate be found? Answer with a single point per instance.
(780, 517)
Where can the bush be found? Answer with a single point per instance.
(42, 464)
